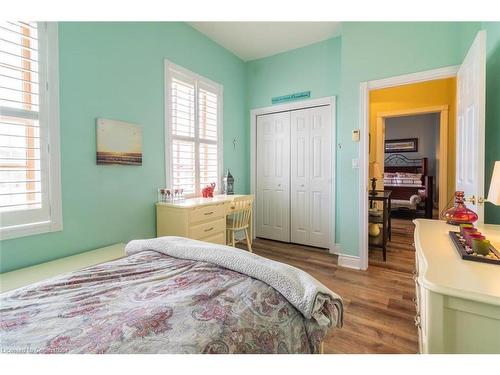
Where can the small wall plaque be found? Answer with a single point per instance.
(291, 97)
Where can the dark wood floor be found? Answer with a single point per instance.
(378, 303)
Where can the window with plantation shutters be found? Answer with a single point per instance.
(193, 131)
(29, 168)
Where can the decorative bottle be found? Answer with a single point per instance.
(459, 213)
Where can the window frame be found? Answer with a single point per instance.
(173, 70)
(30, 222)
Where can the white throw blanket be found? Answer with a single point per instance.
(302, 290)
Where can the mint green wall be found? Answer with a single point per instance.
(115, 70)
(492, 110)
(314, 68)
(366, 51)
(374, 50)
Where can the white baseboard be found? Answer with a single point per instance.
(335, 249)
(349, 261)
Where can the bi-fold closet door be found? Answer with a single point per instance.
(273, 176)
(294, 181)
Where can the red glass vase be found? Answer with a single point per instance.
(459, 213)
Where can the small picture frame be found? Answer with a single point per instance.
(401, 145)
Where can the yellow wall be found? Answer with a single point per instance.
(418, 95)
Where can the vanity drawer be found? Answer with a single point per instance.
(198, 232)
(218, 238)
(204, 213)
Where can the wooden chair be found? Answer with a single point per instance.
(239, 219)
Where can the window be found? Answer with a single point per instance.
(29, 129)
(193, 130)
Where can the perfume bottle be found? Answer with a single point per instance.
(459, 213)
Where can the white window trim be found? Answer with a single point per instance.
(168, 136)
(51, 117)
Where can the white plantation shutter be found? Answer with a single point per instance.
(208, 120)
(193, 136)
(24, 127)
(182, 107)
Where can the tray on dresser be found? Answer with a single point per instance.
(460, 246)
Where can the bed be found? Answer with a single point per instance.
(172, 295)
(409, 182)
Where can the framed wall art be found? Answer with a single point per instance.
(118, 142)
(401, 145)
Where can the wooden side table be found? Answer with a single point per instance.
(380, 241)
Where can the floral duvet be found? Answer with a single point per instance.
(153, 303)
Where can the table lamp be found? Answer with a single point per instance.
(494, 192)
(375, 173)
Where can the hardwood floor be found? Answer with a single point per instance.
(378, 304)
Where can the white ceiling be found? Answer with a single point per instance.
(254, 40)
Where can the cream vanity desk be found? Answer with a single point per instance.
(197, 218)
(457, 301)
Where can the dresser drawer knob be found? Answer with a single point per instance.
(208, 213)
(209, 229)
(414, 275)
(417, 321)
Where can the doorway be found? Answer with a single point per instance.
(374, 118)
(412, 151)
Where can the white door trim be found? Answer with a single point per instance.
(302, 104)
(364, 124)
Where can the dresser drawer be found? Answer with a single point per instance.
(204, 213)
(198, 232)
(218, 238)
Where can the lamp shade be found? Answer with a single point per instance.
(375, 170)
(494, 193)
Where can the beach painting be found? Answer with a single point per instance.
(118, 142)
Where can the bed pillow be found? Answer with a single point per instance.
(414, 176)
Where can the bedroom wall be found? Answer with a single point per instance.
(115, 70)
(424, 94)
(423, 127)
(314, 68)
(107, 66)
(492, 213)
(375, 50)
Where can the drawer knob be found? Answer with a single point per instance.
(414, 275)
(209, 229)
(208, 213)
(417, 321)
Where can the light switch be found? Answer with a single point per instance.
(355, 163)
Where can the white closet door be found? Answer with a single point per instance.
(273, 176)
(311, 181)
(300, 171)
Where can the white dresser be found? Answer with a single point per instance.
(457, 301)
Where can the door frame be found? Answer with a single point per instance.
(293, 106)
(364, 125)
(443, 143)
